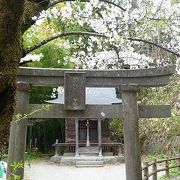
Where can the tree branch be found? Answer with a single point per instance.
(79, 33)
(24, 62)
(154, 44)
(59, 35)
(33, 8)
(105, 1)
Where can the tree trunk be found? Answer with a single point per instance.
(11, 12)
(15, 19)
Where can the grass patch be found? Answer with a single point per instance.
(150, 157)
(173, 172)
(33, 156)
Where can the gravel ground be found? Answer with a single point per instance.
(46, 170)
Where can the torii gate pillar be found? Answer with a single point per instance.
(131, 132)
(18, 131)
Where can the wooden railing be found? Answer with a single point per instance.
(148, 172)
(106, 147)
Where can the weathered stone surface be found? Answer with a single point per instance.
(154, 111)
(71, 160)
(45, 72)
(99, 111)
(17, 141)
(131, 136)
(99, 78)
(56, 158)
(23, 91)
(89, 163)
(74, 91)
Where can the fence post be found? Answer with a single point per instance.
(146, 172)
(167, 166)
(154, 169)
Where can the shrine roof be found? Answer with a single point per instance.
(101, 96)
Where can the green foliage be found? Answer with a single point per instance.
(159, 156)
(116, 127)
(42, 134)
(174, 172)
(162, 95)
(15, 166)
(20, 117)
(176, 1)
(164, 129)
(40, 94)
(53, 57)
(33, 155)
(54, 54)
(4, 153)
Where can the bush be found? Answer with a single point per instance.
(165, 132)
(116, 127)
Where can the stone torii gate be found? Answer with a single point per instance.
(75, 82)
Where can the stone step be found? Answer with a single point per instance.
(81, 166)
(88, 154)
(89, 151)
(69, 154)
(88, 163)
(71, 160)
(88, 158)
(107, 154)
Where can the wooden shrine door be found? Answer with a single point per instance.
(93, 132)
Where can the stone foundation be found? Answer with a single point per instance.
(71, 160)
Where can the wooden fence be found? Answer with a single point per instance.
(165, 166)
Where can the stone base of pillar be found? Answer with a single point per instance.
(77, 155)
(100, 152)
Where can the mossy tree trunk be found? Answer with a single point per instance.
(10, 52)
(15, 19)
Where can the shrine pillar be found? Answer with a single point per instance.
(99, 137)
(131, 132)
(87, 138)
(77, 137)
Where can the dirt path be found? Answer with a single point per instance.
(46, 170)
